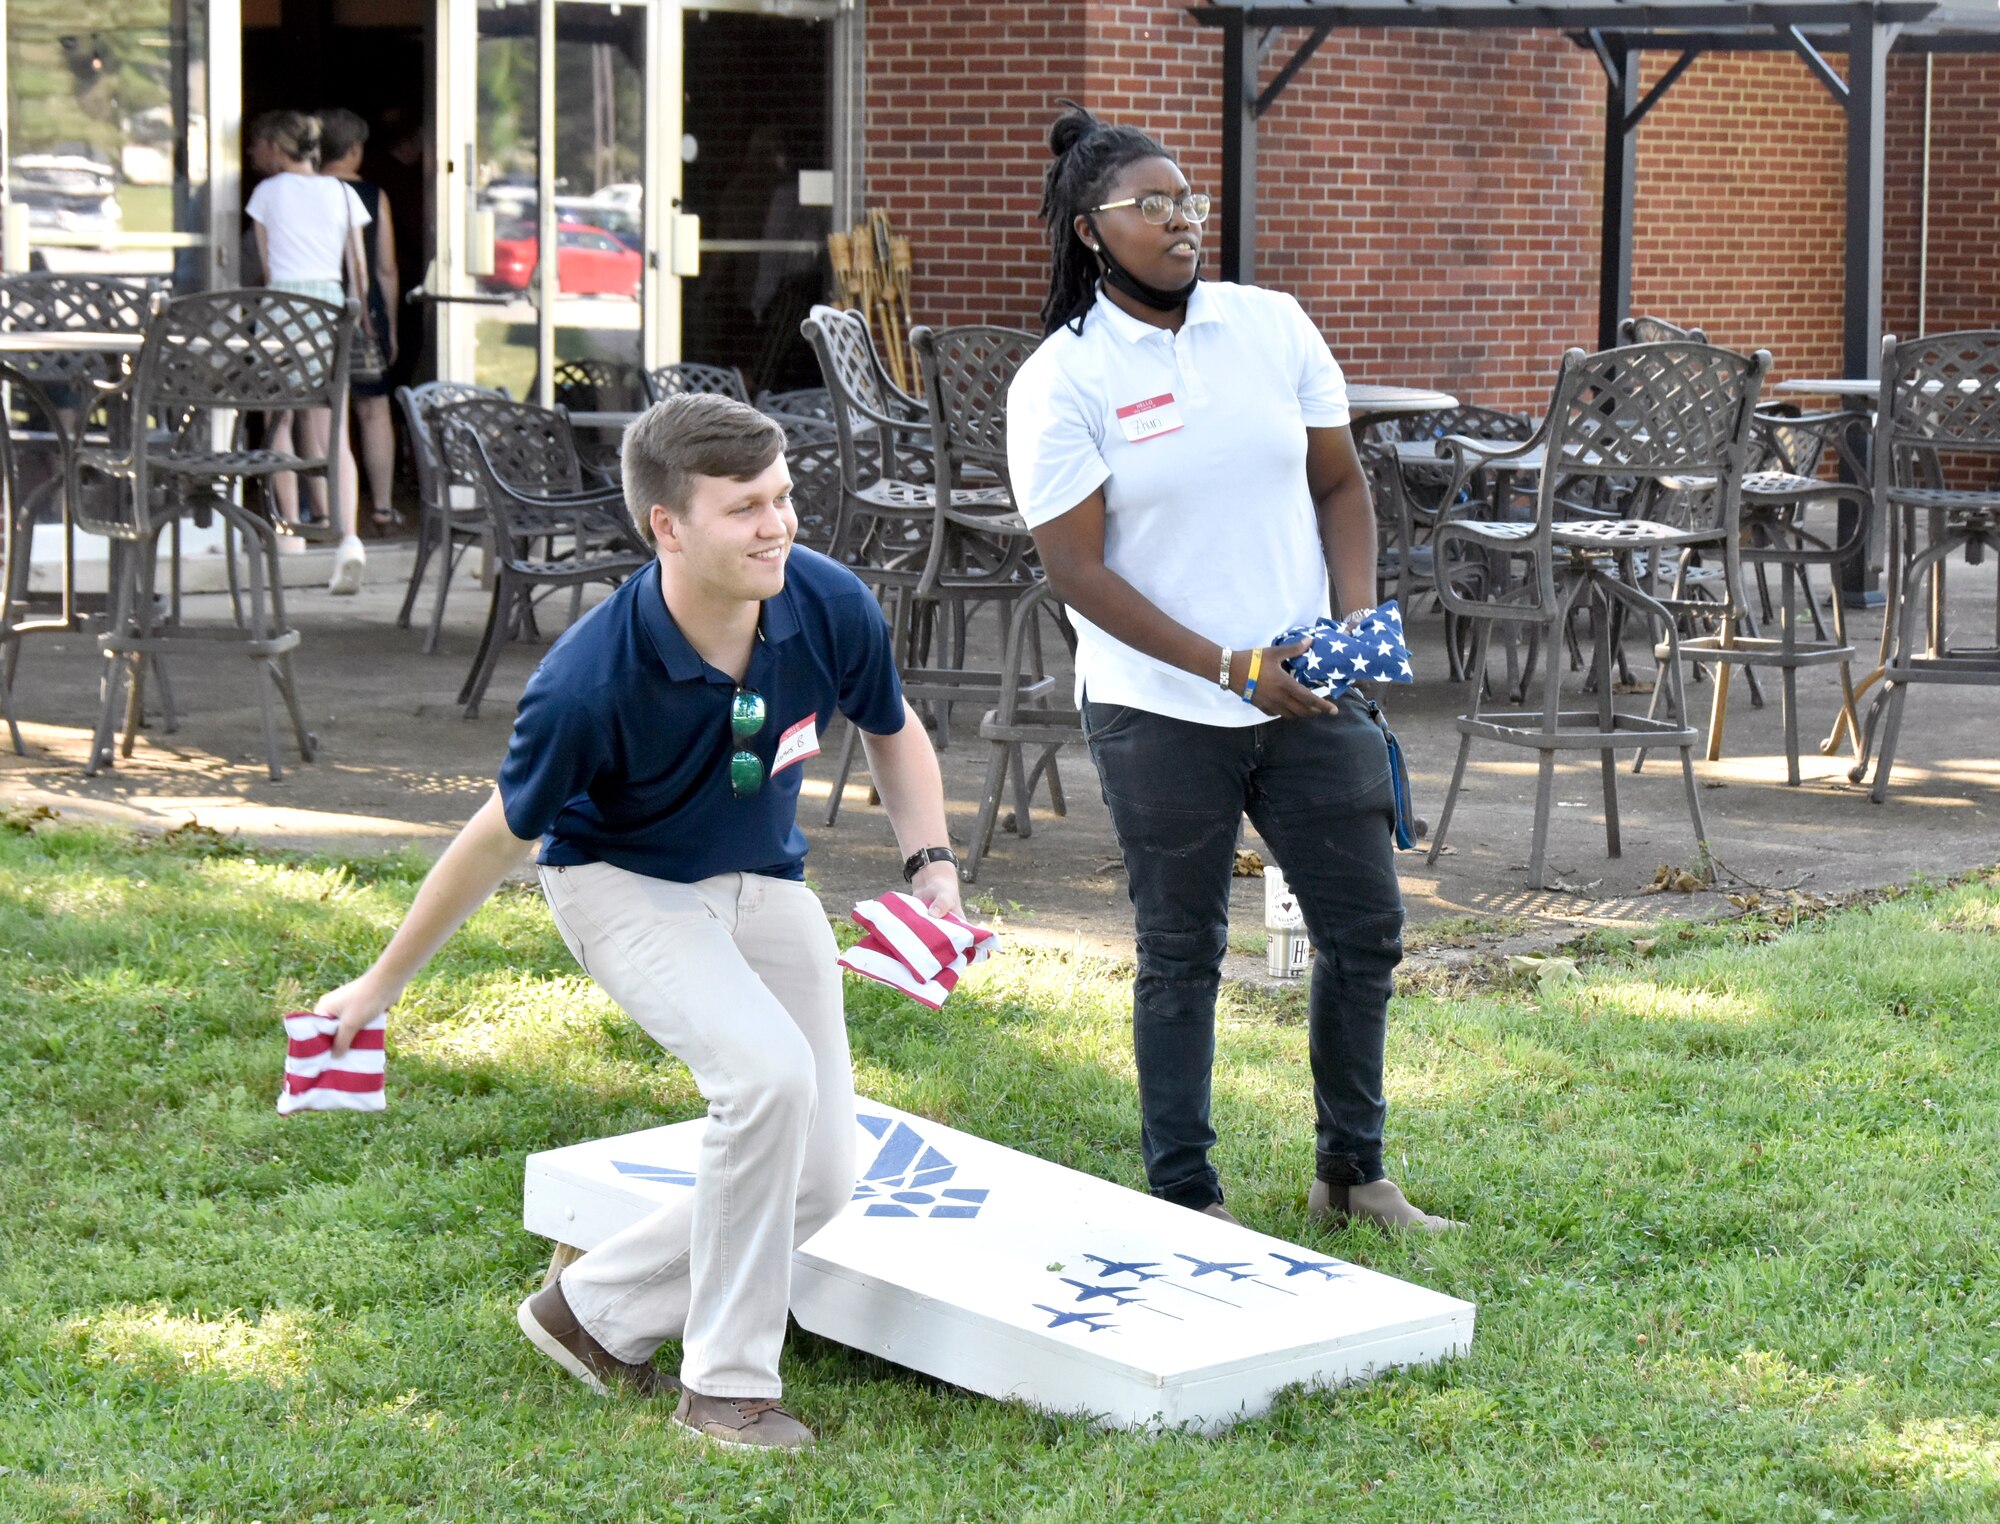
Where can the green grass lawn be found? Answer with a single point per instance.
(1733, 1216)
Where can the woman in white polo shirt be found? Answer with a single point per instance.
(1181, 450)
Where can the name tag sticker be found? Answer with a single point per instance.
(796, 744)
(1145, 420)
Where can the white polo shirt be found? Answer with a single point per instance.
(1199, 441)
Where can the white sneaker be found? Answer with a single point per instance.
(349, 563)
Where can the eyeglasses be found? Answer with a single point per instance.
(1158, 207)
(746, 718)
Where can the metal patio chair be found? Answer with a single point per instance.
(664, 381)
(1012, 729)
(1938, 418)
(800, 402)
(1645, 414)
(207, 360)
(884, 436)
(598, 386)
(445, 528)
(1640, 329)
(1780, 490)
(929, 549)
(520, 461)
(40, 447)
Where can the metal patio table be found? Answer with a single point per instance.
(68, 429)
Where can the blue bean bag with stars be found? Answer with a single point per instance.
(1370, 649)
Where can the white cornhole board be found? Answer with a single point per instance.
(1018, 1278)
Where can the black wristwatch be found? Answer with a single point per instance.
(916, 862)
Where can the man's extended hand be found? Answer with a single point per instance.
(936, 884)
(355, 1004)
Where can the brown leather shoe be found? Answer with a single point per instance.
(553, 1329)
(750, 1423)
(1217, 1209)
(1380, 1201)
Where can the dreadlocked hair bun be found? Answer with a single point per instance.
(1087, 154)
(1071, 128)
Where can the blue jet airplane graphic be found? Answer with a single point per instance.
(1232, 1268)
(1325, 1267)
(1120, 1295)
(1137, 1267)
(1087, 1319)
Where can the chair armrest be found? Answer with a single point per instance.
(1466, 454)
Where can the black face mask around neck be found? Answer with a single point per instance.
(1121, 279)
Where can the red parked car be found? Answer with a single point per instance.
(589, 261)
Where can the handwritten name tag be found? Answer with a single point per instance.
(796, 744)
(1151, 418)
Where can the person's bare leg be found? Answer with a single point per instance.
(378, 454)
(284, 486)
(350, 559)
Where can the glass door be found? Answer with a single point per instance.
(119, 146)
(684, 158)
(543, 132)
(759, 168)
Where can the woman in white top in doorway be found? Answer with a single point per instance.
(308, 237)
(1181, 450)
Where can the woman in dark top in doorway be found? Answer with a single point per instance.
(342, 137)
(1181, 449)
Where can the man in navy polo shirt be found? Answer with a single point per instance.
(657, 757)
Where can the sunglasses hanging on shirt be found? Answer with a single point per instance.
(746, 718)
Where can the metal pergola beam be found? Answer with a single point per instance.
(1270, 93)
(1239, 152)
(1621, 173)
(1835, 85)
(1563, 15)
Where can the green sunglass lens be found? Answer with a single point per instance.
(746, 774)
(746, 714)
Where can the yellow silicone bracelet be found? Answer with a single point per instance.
(1250, 679)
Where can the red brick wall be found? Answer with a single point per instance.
(955, 120)
(1741, 207)
(1964, 288)
(1433, 198)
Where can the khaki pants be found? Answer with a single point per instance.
(735, 977)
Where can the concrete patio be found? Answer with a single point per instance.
(398, 765)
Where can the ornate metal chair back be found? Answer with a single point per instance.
(966, 372)
(1650, 412)
(1940, 394)
(664, 381)
(419, 406)
(41, 301)
(248, 348)
(874, 419)
(516, 447)
(1656, 330)
(598, 386)
(531, 449)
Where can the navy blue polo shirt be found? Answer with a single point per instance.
(621, 748)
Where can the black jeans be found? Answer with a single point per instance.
(1319, 793)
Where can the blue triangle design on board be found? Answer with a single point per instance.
(661, 1173)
